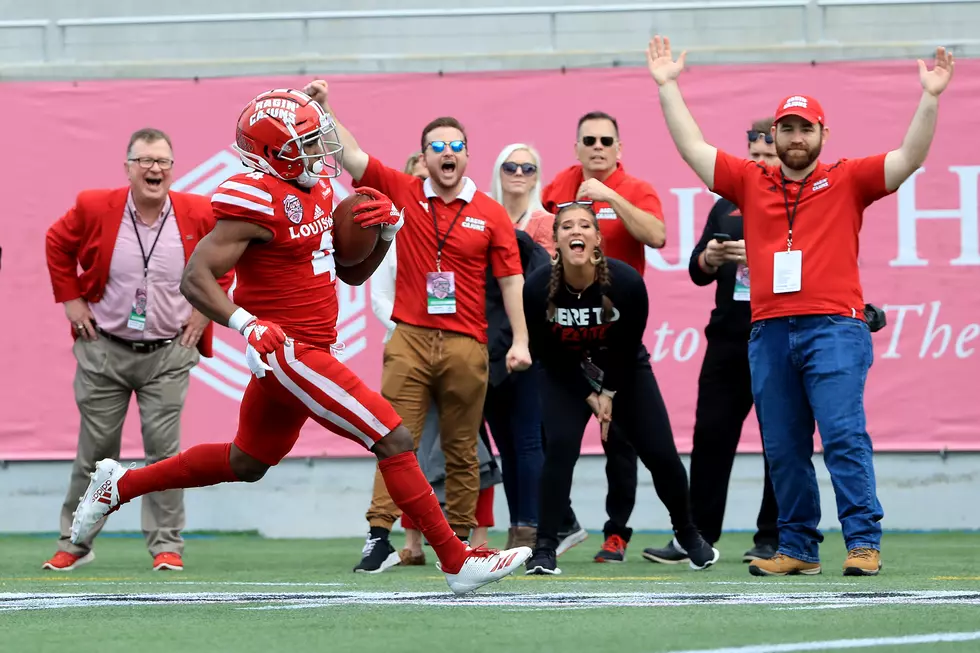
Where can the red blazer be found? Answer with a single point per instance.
(86, 236)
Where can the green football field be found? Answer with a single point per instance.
(244, 593)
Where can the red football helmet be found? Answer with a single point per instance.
(278, 133)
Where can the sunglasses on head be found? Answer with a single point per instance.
(607, 141)
(511, 168)
(579, 202)
(440, 146)
(754, 136)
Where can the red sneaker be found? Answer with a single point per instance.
(64, 561)
(168, 560)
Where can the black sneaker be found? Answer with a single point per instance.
(567, 539)
(672, 554)
(613, 550)
(702, 555)
(759, 552)
(377, 554)
(543, 562)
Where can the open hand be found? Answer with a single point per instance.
(936, 80)
(660, 61)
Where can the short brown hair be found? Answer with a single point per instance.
(443, 121)
(148, 134)
(763, 126)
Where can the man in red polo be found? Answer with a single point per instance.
(809, 348)
(438, 350)
(631, 218)
(134, 332)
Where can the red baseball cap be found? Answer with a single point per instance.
(803, 106)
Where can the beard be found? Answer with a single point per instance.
(798, 159)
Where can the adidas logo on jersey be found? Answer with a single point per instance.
(317, 212)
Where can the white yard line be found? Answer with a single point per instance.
(839, 644)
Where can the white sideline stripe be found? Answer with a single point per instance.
(234, 355)
(218, 384)
(338, 394)
(227, 371)
(244, 203)
(248, 190)
(311, 403)
(838, 644)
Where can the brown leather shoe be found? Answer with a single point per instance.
(862, 562)
(783, 565)
(525, 536)
(409, 559)
(510, 537)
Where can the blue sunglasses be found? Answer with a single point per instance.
(440, 146)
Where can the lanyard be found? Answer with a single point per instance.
(791, 217)
(146, 257)
(441, 242)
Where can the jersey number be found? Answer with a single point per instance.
(323, 257)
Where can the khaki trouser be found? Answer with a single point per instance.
(423, 365)
(106, 376)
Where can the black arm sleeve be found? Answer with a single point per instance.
(634, 308)
(699, 276)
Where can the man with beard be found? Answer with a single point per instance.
(438, 350)
(809, 346)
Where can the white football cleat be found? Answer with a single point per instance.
(483, 566)
(100, 498)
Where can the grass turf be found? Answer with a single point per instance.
(246, 593)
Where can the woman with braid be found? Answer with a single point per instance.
(586, 316)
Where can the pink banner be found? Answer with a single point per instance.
(919, 259)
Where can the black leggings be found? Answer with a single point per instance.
(640, 416)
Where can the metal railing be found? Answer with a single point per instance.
(54, 38)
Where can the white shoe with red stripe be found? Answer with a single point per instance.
(100, 498)
(484, 566)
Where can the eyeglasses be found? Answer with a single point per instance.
(146, 162)
(754, 136)
(578, 202)
(511, 168)
(440, 146)
(589, 141)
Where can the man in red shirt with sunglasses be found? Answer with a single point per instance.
(630, 219)
(438, 349)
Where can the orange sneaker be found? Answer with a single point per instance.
(64, 561)
(862, 562)
(168, 560)
(783, 565)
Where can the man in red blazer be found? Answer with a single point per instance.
(116, 259)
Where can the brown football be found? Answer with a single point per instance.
(351, 242)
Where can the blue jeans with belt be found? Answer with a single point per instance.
(807, 368)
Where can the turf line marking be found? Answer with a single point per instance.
(838, 644)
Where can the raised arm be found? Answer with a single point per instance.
(355, 159)
(697, 153)
(901, 163)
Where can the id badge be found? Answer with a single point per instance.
(593, 375)
(440, 288)
(742, 291)
(787, 271)
(137, 316)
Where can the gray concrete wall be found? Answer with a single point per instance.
(713, 34)
(328, 497)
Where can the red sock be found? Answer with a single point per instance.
(205, 464)
(414, 496)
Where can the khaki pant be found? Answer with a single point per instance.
(105, 378)
(423, 365)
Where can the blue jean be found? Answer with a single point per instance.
(810, 368)
(513, 413)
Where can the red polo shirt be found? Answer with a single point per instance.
(483, 231)
(617, 241)
(825, 228)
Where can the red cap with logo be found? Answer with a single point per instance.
(802, 106)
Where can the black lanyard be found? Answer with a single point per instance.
(440, 243)
(146, 257)
(791, 217)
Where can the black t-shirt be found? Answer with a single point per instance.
(730, 318)
(576, 344)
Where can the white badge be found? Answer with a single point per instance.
(787, 271)
(742, 292)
